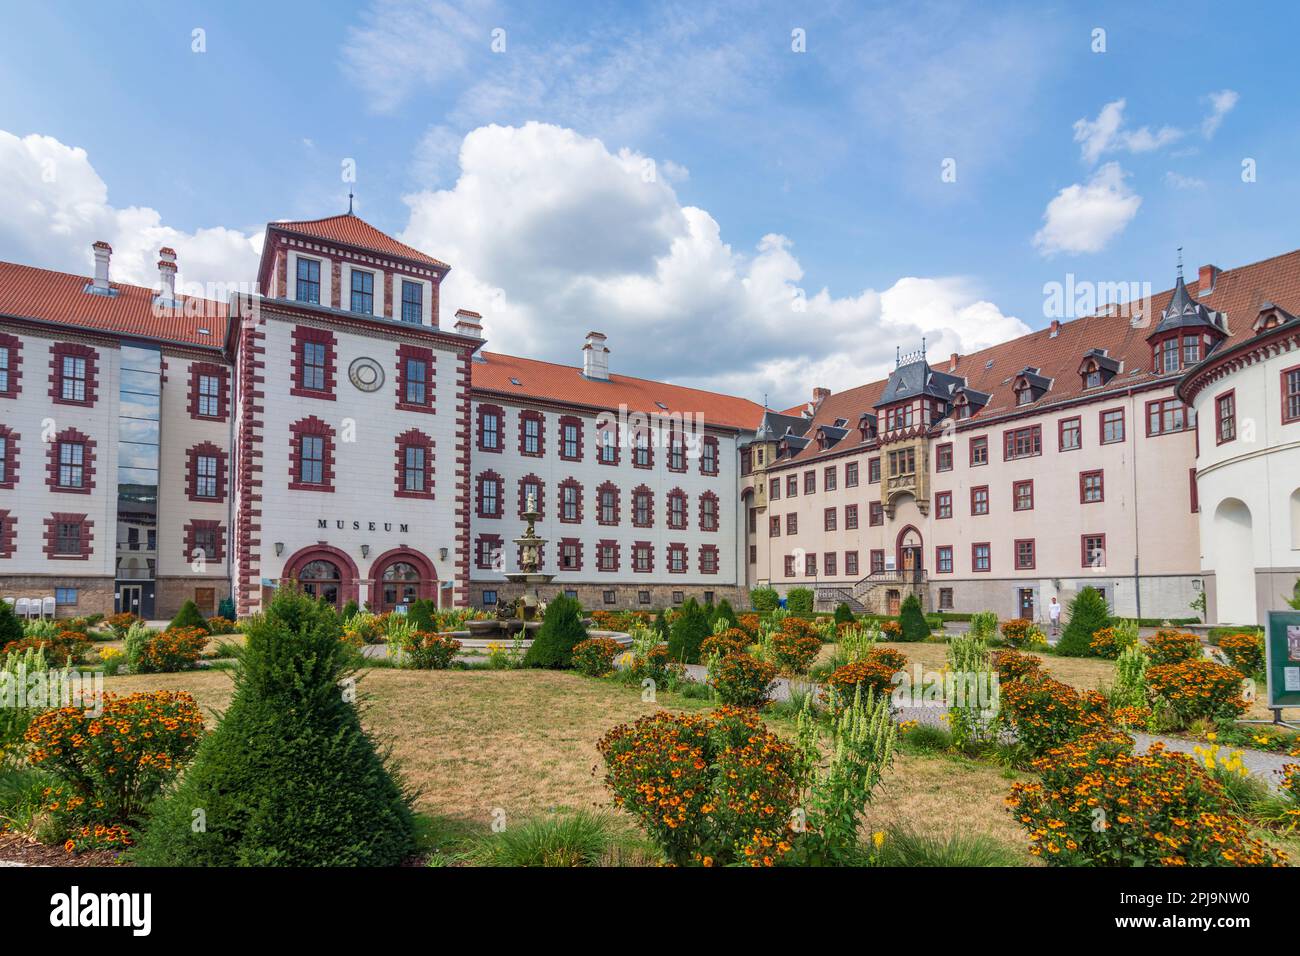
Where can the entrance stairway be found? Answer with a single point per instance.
(871, 594)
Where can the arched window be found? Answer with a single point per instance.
(400, 584)
(321, 580)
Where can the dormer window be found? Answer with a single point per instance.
(1270, 317)
(962, 407)
(363, 292)
(308, 288)
(1024, 395)
(1092, 379)
(412, 302)
(1097, 368)
(867, 426)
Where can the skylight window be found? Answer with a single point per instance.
(514, 381)
(662, 405)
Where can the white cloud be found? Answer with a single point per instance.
(1106, 134)
(1085, 217)
(551, 234)
(1221, 104)
(56, 205)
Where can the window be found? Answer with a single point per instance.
(679, 597)
(531, 488)
(642, 456)
(1290, 395)
(945, 599)
(791, 486)
(413, 474)
(677, 559)
(570, 501)
(1112, 426)
(209, 396)
(810, 565)
(979, 451)
(530, 433)
(774, 489)
(489, 495)
(1024, 395)
(205, 476)
(1094, 551)
(829, 519)
(308, 289)
(979, 500)
(412, 302)
(6, 368)
(6, 478)
(1024, 554)
(753, 554)
(943, 457)
(488, 553)
(902, 462)
(489, 428)
(943, 504)
(72, 384)
(363, 291)
(607, 445)
(709, 456)
(642, 507)
(877, 561)
(1196, 502)
(1168, 415)
(65, 595)
(69, 537)
(851, 468)
(570, 439)
(850, 517)
(1070, 434)
(789, 565)
(774, 527)
(809, 482)
(676, 509)
(830, 565)
(676, 452)
(943, 559)
(642, 557)
(1022, 442)
(875, 514)
(204, 540)
(792, 523)
(829, 480)
(489, 598)
(1091, 487)
(608, 509)
(313, 366)
(72, 460)
(708, 511)
(415, 382)
(607, 556)
(311, 459)
(1191, 350)
(851, 563)
(1022, 495)
(980, 557)
(1225, 417)
(642, 597)
(311, 453)
(708, 559)
(873, 471)
(570, 555)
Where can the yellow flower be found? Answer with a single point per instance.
(878, 838)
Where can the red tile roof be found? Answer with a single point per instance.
(60, 298)
(351, 230)
(567, 385)
(1238, 292)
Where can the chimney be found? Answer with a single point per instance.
(167, 274)
(469, 323)
(595, 357)
(1056, 328)
(102, 253)
(952, 362)
(1205, 281)
(820, 395)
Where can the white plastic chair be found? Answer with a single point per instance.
(48, 607)
(23, 608)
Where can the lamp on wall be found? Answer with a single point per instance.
(365, 550)
(442, 553)
(279, 548)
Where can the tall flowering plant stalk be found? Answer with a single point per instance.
(971, 720)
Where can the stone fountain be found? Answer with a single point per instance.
(524, 613)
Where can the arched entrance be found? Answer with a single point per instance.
(401, 576)
(322, 572)
(1234, 563)
(909, 550)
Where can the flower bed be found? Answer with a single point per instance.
(1110, 642)
(1245, 652)
(743, 681)
(874, 673)
(594, 657)
(1045, 713)
(430, 652)
(176, 649)
(731, 641)
(1013, 665)
(794, 650)
(59, 649)
(1021, 632)
(1197, 688)
(1172, 647)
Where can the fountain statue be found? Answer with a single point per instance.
(525, 612)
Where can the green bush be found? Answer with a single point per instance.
(351, 609)
(188, 616)
(423, 615)
(912, 620)
(1088, 614)
(723, 612)
(765, 600)
(11, 628)
(661, 624)
(843, 614)
(688, 632)
(799, 600)
(554, 641)
(578, 839)
(289, 777)
(907, 848)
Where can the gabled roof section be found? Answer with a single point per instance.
(60, 298)
(351, 230)
(1185, 312)
(1101, 359)
(775, 425)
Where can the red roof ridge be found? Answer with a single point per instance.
(380, 241)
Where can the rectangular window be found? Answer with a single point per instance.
(809, 482)
(417, 374)
(708, 564)
(72, 464)
(979, 500)
(641, 449)
(65, 595)
(873, 471)
(945, 599)
(1092, 487)
(943, 559)
(205, 541)
(209, 396)
(980, 557)
(829, 480)
(363, 292)
(753, 554)
(489, 598)
(569, 503)
(607, 556)
(791, 486)
(67, 538)
(1168, 415)
(1225, 417)
(569, 447)
(850, 517)
(774, 489)
(641, 557)
(877, 561)
(491, 430)
(943, 457)
(1022, 442)
(1070, 434)
(1112, 426)
(313, 366)
(1196, 502)
(4, 368)
(830, 564)
(608, 446)
(73, 386)
(677, 452)
(412, 302)
(709, 457)
(789, 565)
(4, 460)
(641, 508)
(1191, 350)
(608, 506)
(311, 464)
(902, 462)
(851, 563)
(1094, 551)
(875, 514)
(413, 478)
(810, 565)
(490, 495)
(308, 281)
(851, 468)
(829, 519)
(205, 484)
(792, 523)
(568, 556)
(774, 527)
(979, 451)
(532, 436)
(943, 504)
(1025, 554)
(1290, 395)
(1022, 495)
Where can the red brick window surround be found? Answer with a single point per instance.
(8, 534)
(68, 537)
(205, 539)
(491, 428)
(643, 557)
(74, 374)
(677, 505)
(643, 507)
(487, 495)
(205, 473)
(311, 455)
(570, 554)
(643, 454)
(708, 559)
(11, 366)
(709, 456)
(570, 501)
(607, 503)
(570, 437)
(413, 461)
(708, 511)
(608, 450)
(487, 552)
(530, 484)
(209, 396)
(314, 358)
(414, 379)
(8, 457)
(70, 463)
(532, 433)
(678, 562)
(676, 450)
(606, 555)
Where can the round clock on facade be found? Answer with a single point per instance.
(366, 374)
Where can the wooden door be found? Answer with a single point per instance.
(894, 601)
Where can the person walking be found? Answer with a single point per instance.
(1054, 614)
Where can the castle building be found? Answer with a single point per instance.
(331, 432)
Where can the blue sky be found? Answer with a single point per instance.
(776, 172)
